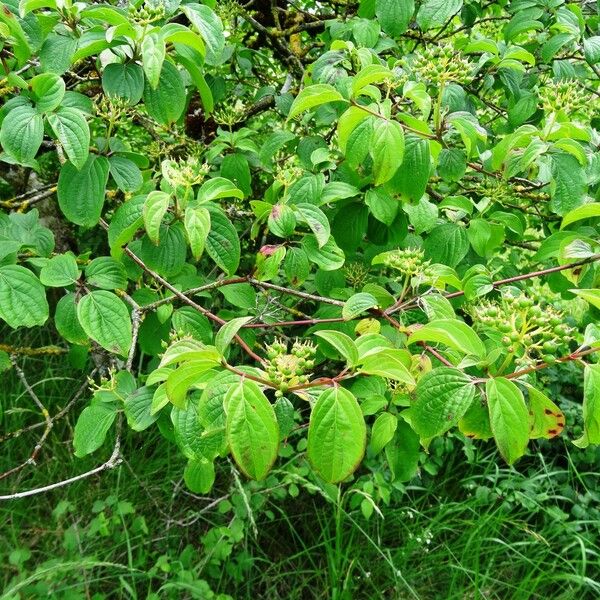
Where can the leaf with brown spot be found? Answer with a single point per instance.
(545, 418)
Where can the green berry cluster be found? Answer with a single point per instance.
(409, 261)
(148, 12)
(287, 370)
(440, 64)
(507, 194)
(356, 274)
(529, 329)
(573, 417)
(230, 113)
(566, 95)
(185, 172)
(228, 10)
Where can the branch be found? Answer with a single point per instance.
(48, 422)
(138, 261)
(113, 461)
(414, 301)
(563, 359)
(25, 200)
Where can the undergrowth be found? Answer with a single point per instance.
(468, 529)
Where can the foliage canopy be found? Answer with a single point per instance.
(352, 226)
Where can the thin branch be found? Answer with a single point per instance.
(48, 422)
(138, 261)
(292, 292)
(59, 415)
(113, 461)
(562, 359)
(413, 302)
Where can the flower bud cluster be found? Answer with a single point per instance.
(148, 12)
(185, 172)
(409, 261)
(356, 274)
(287, 370)
(567, 96)
(440, 64)
(529, 328)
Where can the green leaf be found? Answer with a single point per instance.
(410, 180)
(105, 319)
(252, 429)
(591, 49)
(435, 13)
(314, 95)
(219, 187)
(374, 73)
(296, 266)
(199, 475)
(60, 271)
(587, 211)
(402, 453)
(453, 333)
(210, 27)
(590, 296)
(315, 218)
(106, 273)
(337, 435)
(394, 15)
(452, 164)
(281, 220)
(189, 45)
(447, 244)
(165, 104)
(241, 295)
(48, 90)
(155, 208)
(185, 376)
(509, 418)
(443, 396)
(126, 173)
(437, 306)
(382, 206)
(197, 226)
(189, 349)
(22, 133)
(22, 297)
(168, 258)
(228, 331)
(66, 321)
(329, 257)
(383, 432)
(223, 243)
(124, 81)
(125, 223)
(389, 363)
(568, 186)
(342, 343)
(73, 133)
(81, 192)
(153, 56)
(92, 426)
(387, 149)
(591, 407)
(137, 408)
(357, 304)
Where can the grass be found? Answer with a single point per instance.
(475, 530)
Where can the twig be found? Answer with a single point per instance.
(113, 461)
(48, 422)
(414, 301)
(138, 261)
(562, 359)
